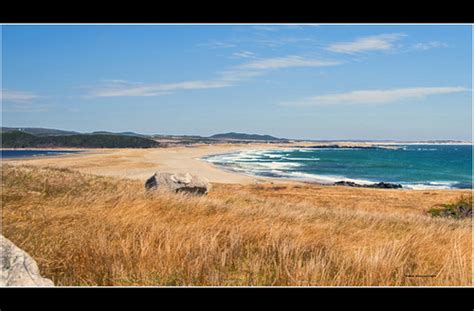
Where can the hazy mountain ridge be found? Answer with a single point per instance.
(119, 133)
(244, 136)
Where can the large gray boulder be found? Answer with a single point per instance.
(181, 182)
(18, 268)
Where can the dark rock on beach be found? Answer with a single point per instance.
(380, 185)
(347, 183)
(386, 185)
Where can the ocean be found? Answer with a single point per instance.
(412, 166)
(34, 153)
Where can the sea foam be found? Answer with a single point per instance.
(330, 165)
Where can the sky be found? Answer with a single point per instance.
(398, 82)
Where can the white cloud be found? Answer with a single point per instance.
(122, 88)
(375, 96)
(20, 97)
(114, 88)
(286, 62)
(235, 75)
(263, 40)
(423, 46)
(243, 54)
(371, 43)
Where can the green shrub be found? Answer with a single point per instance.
(458, 210)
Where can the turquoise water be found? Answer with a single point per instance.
(34, 153)
(413, 166)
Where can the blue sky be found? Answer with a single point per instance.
(297, 81)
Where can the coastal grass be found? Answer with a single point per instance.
(90, 230)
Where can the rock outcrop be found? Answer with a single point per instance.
(18, 268)
(183, 182)
(381, 185)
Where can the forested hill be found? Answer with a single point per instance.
(18, 139)
(243, 136)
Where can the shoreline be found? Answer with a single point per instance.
(329, 180)
(140, 164)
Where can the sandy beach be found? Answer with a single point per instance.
(142, 163)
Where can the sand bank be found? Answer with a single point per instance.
(142, 163)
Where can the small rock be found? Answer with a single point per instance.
(347, 183)
(385, 185)
(380, 185)
(18, 268)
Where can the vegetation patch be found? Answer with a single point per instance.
(458, 210)
(89, 230)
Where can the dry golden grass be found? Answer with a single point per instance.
(90, 230)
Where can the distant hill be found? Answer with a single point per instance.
(106, 139)
(243, 136)
(38, 131)
(119, 133)
(21, 139)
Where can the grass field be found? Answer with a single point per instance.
(89, 230)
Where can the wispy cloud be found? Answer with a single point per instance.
(235, 75)
(423, 46)
(261, 66)
(264, 40)
(363, 44)
(375, 96)
(243, 54)
(18, 96)
(226, 78)
(286, 62)
(22, 101)
(124, 88)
